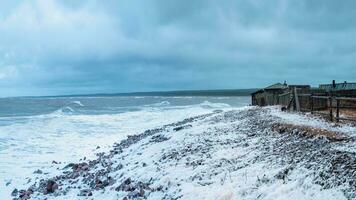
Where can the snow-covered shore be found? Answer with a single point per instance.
(244, 153)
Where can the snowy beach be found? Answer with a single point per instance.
(229, 153)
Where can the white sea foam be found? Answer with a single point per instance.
(77, 103)
(66, 137)
(163, 103)
(207, 104)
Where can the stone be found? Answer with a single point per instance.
(15, 192)
(38, 171)
(55, 162)
(85, 192)
(51, 186)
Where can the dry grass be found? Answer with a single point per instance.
(344, 113)
(348, 113)
(310, 131)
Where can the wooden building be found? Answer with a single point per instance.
(337, 101)
(268, 95)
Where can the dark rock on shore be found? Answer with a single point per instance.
(38, 172)
(159, 138)
(25, 194)
(134, 189)
(85, 192)
(51, 186)
(181, 127)
(15, 192)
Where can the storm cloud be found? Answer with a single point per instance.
(52, 47)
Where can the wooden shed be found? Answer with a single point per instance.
(268, 95)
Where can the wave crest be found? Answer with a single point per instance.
(77, 103)
(209, 105)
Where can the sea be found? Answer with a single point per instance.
(47, 133)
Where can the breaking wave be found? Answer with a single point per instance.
(77, 103)
(62, 111)
(160, 104)
(209, 105)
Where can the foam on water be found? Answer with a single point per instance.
(163, 103)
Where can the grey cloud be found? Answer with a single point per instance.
(62, 47)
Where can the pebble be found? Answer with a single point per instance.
(38, 171)
(51, 187)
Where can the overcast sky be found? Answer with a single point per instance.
(52, 47)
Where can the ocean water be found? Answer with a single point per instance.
(34, 132)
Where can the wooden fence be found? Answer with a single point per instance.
(335, 108)
(332, 107)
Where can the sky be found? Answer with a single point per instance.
(54, 47)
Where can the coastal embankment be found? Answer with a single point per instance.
(245, 153)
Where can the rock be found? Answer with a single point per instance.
(70, 165)
(23, 194)
(8, 183)
(182, 127)
(15, 192)
(127, 181)
(178, 128)
(74, 175)
(55, 162)
(134, 194)
(29, 191)
(51, 186)
(80, 167)
(125, 186)
(142, 192)
(118, 167)
(158, 138)
(38, 171)
(85, 192)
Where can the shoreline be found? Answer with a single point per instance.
(212, 152)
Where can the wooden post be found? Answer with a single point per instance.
(297, 105)
(311, 101)
(337, 110)
(331, 108)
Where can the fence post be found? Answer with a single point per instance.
(337, 109)
(311, 101)
(331, 107)
(297, 105)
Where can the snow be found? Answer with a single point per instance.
(307, 119)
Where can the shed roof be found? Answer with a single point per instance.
(338, 86)
(299, 86)
(276, 86)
